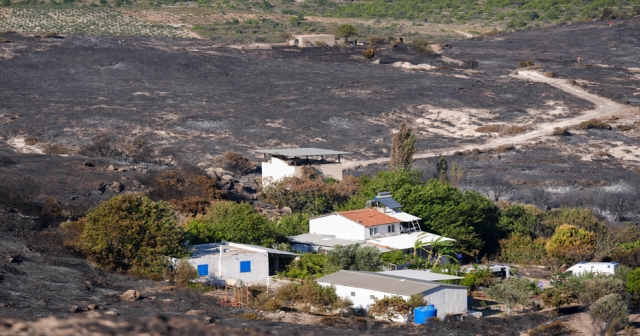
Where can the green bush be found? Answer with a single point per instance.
(571, 244)
(420, 46)
(132, 233)
(510, 292)
(521, 249)
(355, 257)
(612, 310)
(185, 273)
(232, 222)
(309, 265)
(633, 283)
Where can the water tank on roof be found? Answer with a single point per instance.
(235, 283)
(422, 314)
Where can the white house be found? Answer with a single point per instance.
(218, 262)
(364, 288)
(593, 267)
(381, 224)
(313, 40)
(285, 162)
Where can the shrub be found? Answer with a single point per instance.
(522, 249)
(560, 131)
(132, 233)
(389, 308)
(55, 149)
(471, 64)
(355, 257)
(612, 310)
(476, 278)
(557, 296)
(230, 221)
(488, 129)
(571, 244)
(376, 40)
(369, 53)
(594, 124)
(185, 273)
(525, 64)
(549, 74)
(309, 265)
(420, 46)
(252, 316)
(633, 283)
(510, 292)
(599, 286)
(512, 130)
(346, 31)
(234, 162)
(321, 44)
(555, 328)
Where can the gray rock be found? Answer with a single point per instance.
(74, 309)
(227, 178)
(115, 187)
(130, 295)
(286, 210)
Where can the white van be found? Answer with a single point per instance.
(593, 267)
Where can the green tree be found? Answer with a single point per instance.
(292, 224)
(309, 265)
(633, 283)
(354, 257)
(571, 244)
(403, 146)
(612, 310)
(233, 222)
(346, 31)
(521, 219)
(133, 233)
(6, 3)
(389, 308)
(521, 249)
(599, 286)
(510, 293)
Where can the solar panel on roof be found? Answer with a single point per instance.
(390, 203)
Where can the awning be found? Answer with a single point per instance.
(407, 241)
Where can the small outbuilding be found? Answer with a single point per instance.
(285, 162)
(315, 40)
(219, 262)
(364, 288)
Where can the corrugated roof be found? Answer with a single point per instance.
(329, 241)
(406, 240)
(290, 152)
(421, 275)
(368, 217)
(381, 282)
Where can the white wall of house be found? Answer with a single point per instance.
(305, 41)
(382, 231)
(362, 298)
(338, 226)
(446, 300)
(259, 274)
(276, 169)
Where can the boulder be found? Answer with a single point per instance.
(227, 185)
(92, 307)
(227, 178)
(286, 210)
(115, 187)
(130, 295)
(74, 309)
(111, 167)
(194, 312)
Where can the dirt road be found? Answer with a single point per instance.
(604, 108)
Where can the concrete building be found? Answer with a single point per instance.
(218, 262)
(364, 288)
(316, 40)
(285, 162)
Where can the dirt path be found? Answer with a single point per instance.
(467, 35)
(604, 108)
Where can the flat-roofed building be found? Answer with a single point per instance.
(284, 162)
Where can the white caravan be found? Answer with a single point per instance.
(608, 268)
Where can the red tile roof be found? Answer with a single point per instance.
(368, 217)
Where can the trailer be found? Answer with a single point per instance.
(608, 268)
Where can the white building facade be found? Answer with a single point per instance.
(287, 162)
(364, 288)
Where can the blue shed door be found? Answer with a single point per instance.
(203, 270)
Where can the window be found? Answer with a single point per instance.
(203, 270)
(353, 293)
(373, 231)
(391, 228)
(245, 266)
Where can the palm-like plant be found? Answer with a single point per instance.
(438, 248)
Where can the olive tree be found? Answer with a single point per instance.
(510, 293)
